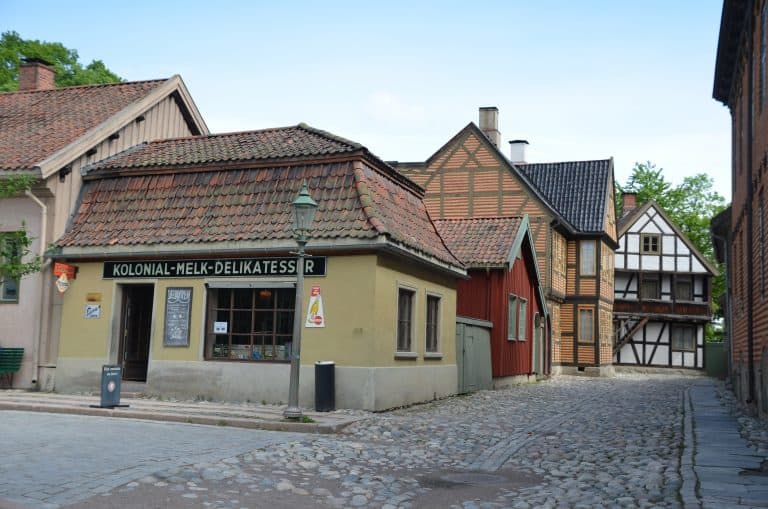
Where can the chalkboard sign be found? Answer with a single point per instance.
(178, 304)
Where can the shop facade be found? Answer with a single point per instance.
(213, 320)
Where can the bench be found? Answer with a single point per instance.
(10, 363)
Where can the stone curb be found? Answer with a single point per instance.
(235, 422)
(690, 481)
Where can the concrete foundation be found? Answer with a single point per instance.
(505, 382)
(606, 371)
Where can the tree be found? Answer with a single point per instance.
(691, 205)
(69, 70)
(14, 246)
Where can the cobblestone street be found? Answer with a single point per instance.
(569, 442)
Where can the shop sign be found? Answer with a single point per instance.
(62, 284)
(230, 267)
(92, 311)
(64, 268)
(315, 312)
(178, 308)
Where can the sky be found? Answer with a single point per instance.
(578, 80)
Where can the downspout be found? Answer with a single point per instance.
(748, 208)
(43, 307)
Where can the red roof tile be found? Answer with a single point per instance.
(480, 242)
(34, 125)
(266, 144)
(209, 203)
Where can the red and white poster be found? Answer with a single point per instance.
(315, 313)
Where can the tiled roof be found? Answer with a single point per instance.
(276, 143)
(36, 124)
(480, 242)
(577, 190)
(216, 204)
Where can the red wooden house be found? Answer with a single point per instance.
(504, 288)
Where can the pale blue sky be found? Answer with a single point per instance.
(578, 80)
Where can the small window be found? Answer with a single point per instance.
(588, 257)
(522, 321)
(649, 289)
(683, 290)
(405, 300)
(10, 252)
(684, 339)
(586, 326)
(433, 323)
(512, 320)
(650, 243)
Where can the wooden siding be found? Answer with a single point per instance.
(485, 296)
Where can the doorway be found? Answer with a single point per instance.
(135, 329)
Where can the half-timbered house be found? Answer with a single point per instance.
(504, 289)
(572, 219)
(662, 291)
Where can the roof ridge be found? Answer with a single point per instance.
(366, 200)
(94, 85)
(330, 136)
(482, 218)
(221, 135)
(566, 162)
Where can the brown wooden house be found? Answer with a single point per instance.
(741, 83)
(504, 289)
(572, 219)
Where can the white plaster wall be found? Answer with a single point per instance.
(682, 249)
(661, 358)
(633, 262)
(668, 263)
(649, 262)
(667, 245)
(633, 243)
(683, 264)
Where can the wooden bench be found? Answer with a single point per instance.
(10, 363)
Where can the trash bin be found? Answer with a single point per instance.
(325, 386)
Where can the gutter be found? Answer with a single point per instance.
(45, 309)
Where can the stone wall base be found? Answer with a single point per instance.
(593, 371)
(658, 370)
(505, 382)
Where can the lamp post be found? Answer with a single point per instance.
(304, 208)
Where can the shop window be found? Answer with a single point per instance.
(10, 252)
(587, 258)
(405, 298)
(684, 339)
(683, 290)
(512, 318)
(650, 243)
(649, 289)
(522, 319)
(586, 326)
(250, 324)
(433, 323)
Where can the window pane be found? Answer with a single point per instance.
(264, 321)
(243, 298)
(512, 318)
(650, 289)
(265, 298)
(286, 299)
(221, 346)
(433, 307)
(588, 257)
(241, 322)
(585, 325)
(222, 315)
(10, 289)
(284, 322)
(283, 347)
(522, 319)
(683, 290)
(224, 298)
(404, 319)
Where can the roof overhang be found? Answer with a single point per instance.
(732, 24)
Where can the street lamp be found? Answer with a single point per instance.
(304, 208)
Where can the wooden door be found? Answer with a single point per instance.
(135, 330)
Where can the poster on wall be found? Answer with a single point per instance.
(178, 304)
(315, 312)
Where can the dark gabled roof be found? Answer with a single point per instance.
(576, 189)
(184, 192)
(266, 144)
(633, 215)
(36, 124)
(480, 242)
(720, 228)
(732, 23)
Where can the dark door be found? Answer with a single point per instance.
(134, 331)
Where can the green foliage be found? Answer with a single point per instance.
(69, 70)
(14, 246)
(691, 205)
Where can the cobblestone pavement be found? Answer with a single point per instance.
(569, 442)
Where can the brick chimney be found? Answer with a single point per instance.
(489, 124)
(517, 151)
(628, 202)
(36, 74)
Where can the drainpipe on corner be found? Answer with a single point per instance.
(43, 307)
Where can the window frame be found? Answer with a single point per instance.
(592, 270)
(522, 315)
(213, 306)
(650, 237)
(410, 352)
(5, 237)
(673, 340)
(591, 311)
(656, 279)
(512, 301)
(436, 324)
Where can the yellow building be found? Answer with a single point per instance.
(185, 275)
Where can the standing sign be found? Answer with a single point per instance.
(178, 304)
(110, 387)
(315, 312)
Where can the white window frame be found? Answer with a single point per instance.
(512, 301)
(410, 353)
(592, 269)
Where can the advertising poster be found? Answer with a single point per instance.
(315, 313)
